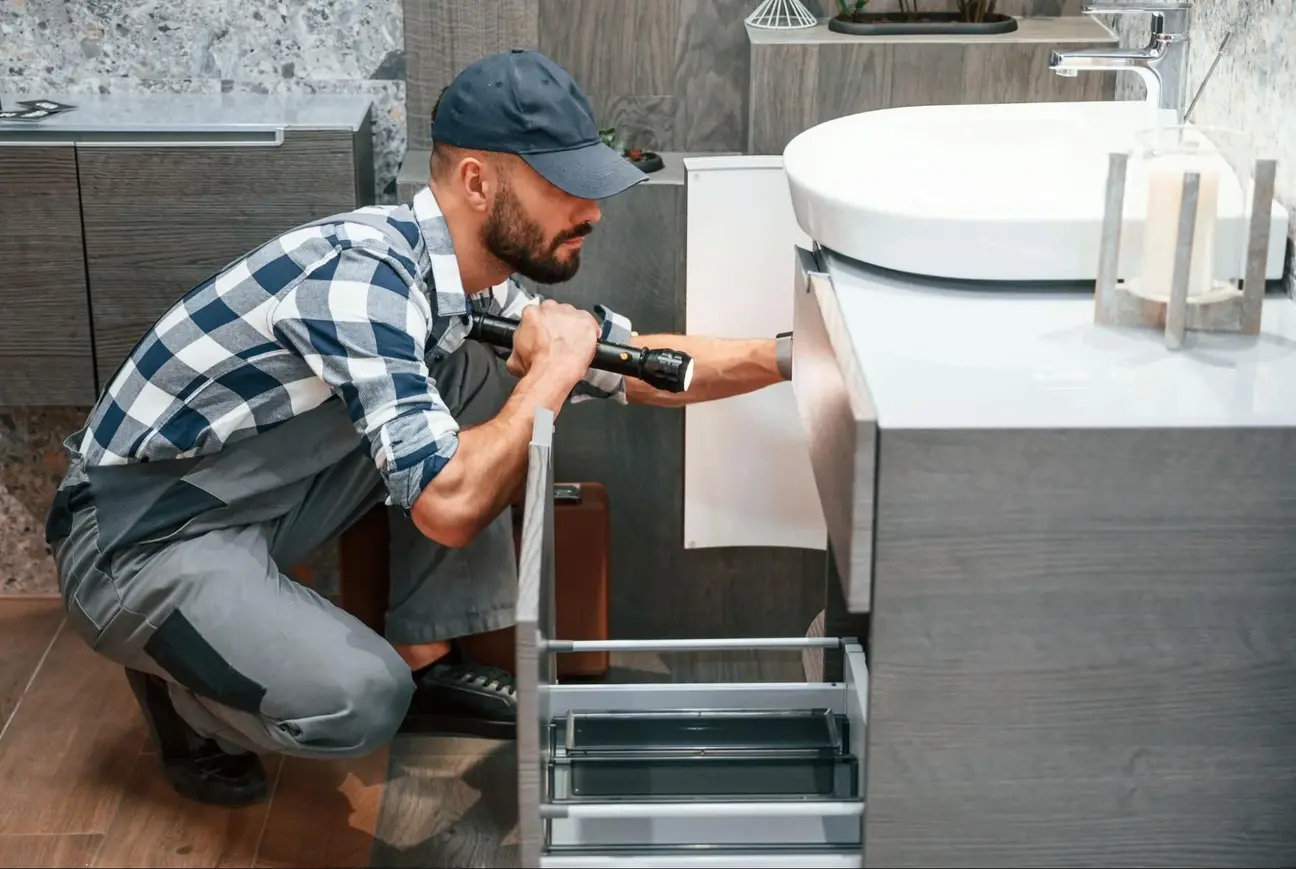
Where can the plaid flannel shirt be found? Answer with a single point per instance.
(354, 306)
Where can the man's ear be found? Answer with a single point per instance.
(472, 174)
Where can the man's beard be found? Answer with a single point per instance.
(518, 243)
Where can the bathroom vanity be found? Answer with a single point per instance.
(1076, 548)
(106, 215)
(1074, 545)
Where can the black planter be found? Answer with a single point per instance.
(649, 161)
(908, 24)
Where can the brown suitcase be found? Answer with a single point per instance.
(581, 543)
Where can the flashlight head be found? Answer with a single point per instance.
(668, 370)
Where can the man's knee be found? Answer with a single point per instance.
(474, 383)
(366, 701)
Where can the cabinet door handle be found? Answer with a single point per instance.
(213, 137)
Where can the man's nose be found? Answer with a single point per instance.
(589, 212)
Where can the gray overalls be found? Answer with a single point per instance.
(254, 659)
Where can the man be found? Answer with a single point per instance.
(326, 373)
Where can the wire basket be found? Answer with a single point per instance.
(782, 15)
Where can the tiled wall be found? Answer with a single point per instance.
(1254, 86)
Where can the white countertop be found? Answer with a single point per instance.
(191, 114)
(939, 355)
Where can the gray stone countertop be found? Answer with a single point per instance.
(162, 116)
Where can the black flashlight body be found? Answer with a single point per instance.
(667, 370)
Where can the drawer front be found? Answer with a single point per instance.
(840, 425)
(45, 350)
(159, 220)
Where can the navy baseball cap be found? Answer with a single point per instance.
(521, 102)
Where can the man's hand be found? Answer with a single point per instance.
(554, 339)
(552, 350)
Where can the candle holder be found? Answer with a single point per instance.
(1205, 222)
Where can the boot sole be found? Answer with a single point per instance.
(232, 796)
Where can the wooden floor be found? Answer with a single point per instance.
(80, 787)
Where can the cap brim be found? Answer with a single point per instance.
(592, 172)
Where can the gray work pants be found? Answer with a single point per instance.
(253, 658)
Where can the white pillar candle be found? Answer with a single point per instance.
(1165, 180)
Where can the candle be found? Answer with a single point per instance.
(1165, 181)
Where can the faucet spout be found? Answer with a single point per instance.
(1143, 63)
(1162, 64)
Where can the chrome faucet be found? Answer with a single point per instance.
(1162, 64)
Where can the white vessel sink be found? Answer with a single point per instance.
(986, 192)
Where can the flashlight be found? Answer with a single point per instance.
(667, 370)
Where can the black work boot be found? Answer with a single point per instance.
(197, 767)
(459, 697)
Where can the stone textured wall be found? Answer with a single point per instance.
(1254, 86)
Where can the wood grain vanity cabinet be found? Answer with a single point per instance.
(163, 214)
(1078, 572)
(141, 198)
(45, 353)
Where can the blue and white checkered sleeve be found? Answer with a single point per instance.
(510, 298)
(362, 329)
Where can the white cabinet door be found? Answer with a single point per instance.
(747, 476)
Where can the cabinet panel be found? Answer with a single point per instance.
(1074, 662)
(159, 219)
(45, 353)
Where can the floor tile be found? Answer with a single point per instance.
(324, 813)
(71, 745)
(27, 626)
(154, 826)
(39, 852)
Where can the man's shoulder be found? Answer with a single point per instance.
(376, 227)
(386, 232)
(383, 226)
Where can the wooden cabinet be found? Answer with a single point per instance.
(45, 346)
(111, 212)
(161, 219)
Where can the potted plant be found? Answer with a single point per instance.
(646, 161)
(972, 16)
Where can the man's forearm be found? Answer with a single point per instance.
(489, 466)
(722, 367)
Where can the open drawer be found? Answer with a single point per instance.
(742, 774)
